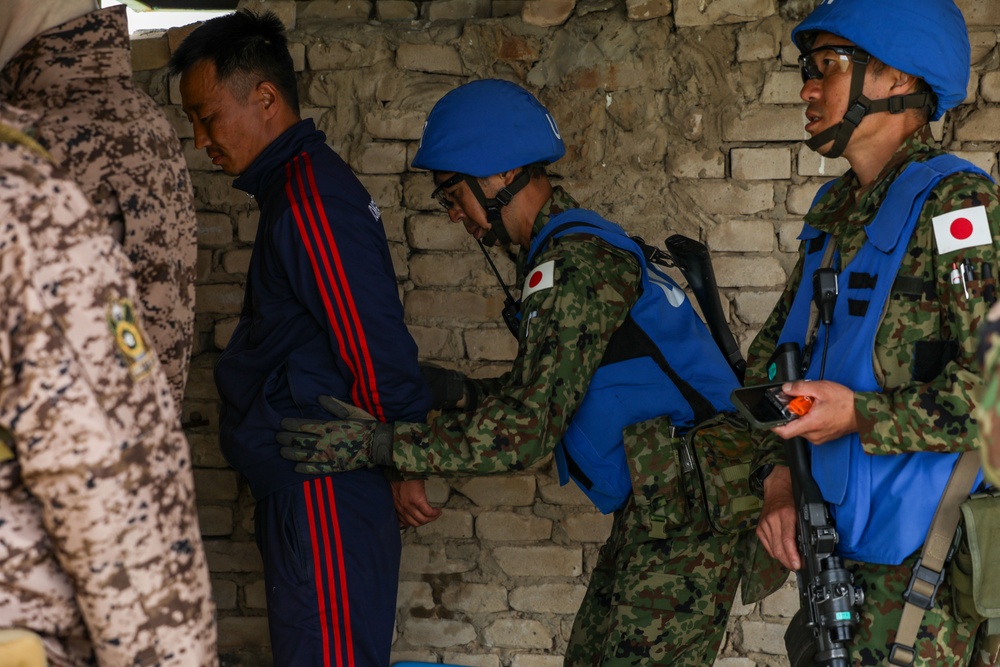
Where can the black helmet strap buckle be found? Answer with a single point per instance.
(492, 206)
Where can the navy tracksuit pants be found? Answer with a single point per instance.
(331, 552)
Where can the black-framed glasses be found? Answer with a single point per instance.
(824, 60)
(442, 196)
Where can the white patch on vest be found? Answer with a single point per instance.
(539, 279)
(675, 295)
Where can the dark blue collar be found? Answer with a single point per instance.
(301, 136)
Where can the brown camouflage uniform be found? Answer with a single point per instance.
(907, 416)
(118, 146)
(100, 550)
(658, 596)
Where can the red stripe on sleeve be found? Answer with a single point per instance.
(351, 314)
(324, 276)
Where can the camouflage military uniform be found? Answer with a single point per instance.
(654, 599)
(100, 550)
(907, 416)
(118, 146)
(988, 409)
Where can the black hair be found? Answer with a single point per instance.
(246, 49)
(877, 67)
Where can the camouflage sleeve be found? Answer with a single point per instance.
(565, 329)
(97, 438)
(988, 407)
(934, 337)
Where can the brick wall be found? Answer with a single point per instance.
(679, 116)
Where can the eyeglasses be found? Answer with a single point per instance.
(825, 60)
(442, 196)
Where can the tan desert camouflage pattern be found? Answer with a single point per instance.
(100, 550)
(907, 416)
(988, 408)
(118, 146)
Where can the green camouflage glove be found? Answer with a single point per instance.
(353, 440)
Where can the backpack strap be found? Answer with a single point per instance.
(929, 570)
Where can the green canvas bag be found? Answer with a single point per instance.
(975, 567)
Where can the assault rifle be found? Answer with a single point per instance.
(829, 600)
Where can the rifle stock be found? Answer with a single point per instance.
(693, 260)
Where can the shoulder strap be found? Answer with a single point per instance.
(929, 570)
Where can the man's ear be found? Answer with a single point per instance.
(268, 98)
(509, 175)
(902, 82)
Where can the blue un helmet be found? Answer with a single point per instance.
(484, 128)
(928, 39)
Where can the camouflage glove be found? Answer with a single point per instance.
(353, 440)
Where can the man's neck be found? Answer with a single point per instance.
(868, 158)
(22, 20)
(532, 197)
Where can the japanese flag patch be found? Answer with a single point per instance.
(966, 228)
(539, 279)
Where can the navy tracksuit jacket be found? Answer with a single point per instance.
(321, 316)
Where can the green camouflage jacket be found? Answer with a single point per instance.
(564, 332)
(907, 416)
(988, 408)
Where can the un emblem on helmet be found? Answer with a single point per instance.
(130, 343)
(552, 124)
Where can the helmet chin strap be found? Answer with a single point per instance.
(859, 106)
(498, 233)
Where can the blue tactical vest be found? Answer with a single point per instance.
(882, 505)
(661, 361)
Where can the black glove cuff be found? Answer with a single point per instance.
(447, 386)
(382, 444)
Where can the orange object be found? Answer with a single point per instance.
(800, 404)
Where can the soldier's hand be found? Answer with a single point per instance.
(831, 416)
(449, 388)
(779, 520)
(353, 440)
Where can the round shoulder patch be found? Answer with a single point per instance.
(130, 342)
